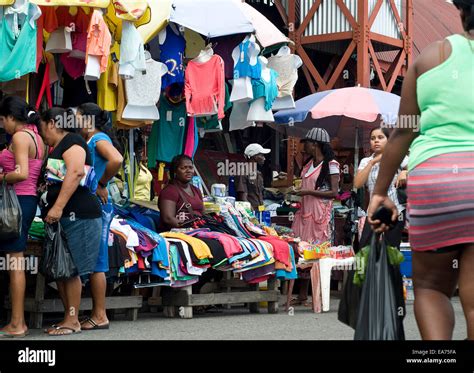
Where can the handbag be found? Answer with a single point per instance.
(189, 217)
(10, 213)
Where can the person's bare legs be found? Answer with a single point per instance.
(466, 287)
(98, 290)
(72, 289)
(435, 277)
(17, 323)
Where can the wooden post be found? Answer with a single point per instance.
(254, 307)
(155, 295)
(36, 316)
(132, 313)
(186, 312)
(228, 289)
(272, 285)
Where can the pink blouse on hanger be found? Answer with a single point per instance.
(204, 87)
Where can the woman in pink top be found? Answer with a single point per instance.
(320, 185)
(21, 163)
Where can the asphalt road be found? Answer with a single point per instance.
(239, 324)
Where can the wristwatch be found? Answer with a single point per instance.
(102, 184)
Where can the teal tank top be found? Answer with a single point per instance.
(269, 90)
(17, 43)
(446, 100)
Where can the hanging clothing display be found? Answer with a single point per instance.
(285, 66)
(167, 135)
(224, 46)
(266, 88)
(212, 123)
(142, 190)
(74, 61)
(205, 87)
(172, 47)
(143, 92)
(98, 44)
(107, 85)
(76, 92)
(192, 138)
(17, 30)
(132, 52)
(243, 66)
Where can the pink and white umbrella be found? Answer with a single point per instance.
(342, 112)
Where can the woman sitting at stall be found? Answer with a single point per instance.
(179, 200)
(75, 208)
(107, 161)
(21, 163)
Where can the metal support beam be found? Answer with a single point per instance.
(362, 35)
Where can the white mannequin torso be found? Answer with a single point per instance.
(205, 55)
(285, 99)
(257, 112)
(242, 91)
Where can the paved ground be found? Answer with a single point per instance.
(239, 324)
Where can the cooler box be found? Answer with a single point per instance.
(405, 267)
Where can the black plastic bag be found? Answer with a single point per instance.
(379, 310)
(56, 262)
(10, 213)
(349, 304)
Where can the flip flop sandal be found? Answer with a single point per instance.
(95, 326)
(73, 331)
(4, 334)
(52, 327)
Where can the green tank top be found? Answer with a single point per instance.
(445, 97)
(17, 43)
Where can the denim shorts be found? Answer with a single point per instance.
(28, 206)
(103, 258)
(83, 238)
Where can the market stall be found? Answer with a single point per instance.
(168, 75)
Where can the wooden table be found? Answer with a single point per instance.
(37, 305)
(180, 302)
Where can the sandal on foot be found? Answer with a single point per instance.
(52, 327)
(297, 302)
(5, 334)
(70, 331)
(95, 326)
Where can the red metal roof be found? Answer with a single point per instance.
(433, 20)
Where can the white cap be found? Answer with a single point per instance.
(254, 149)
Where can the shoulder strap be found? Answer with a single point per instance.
(441, 52)
(34, 141)
(185, 200)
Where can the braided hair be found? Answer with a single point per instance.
(324, 178)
